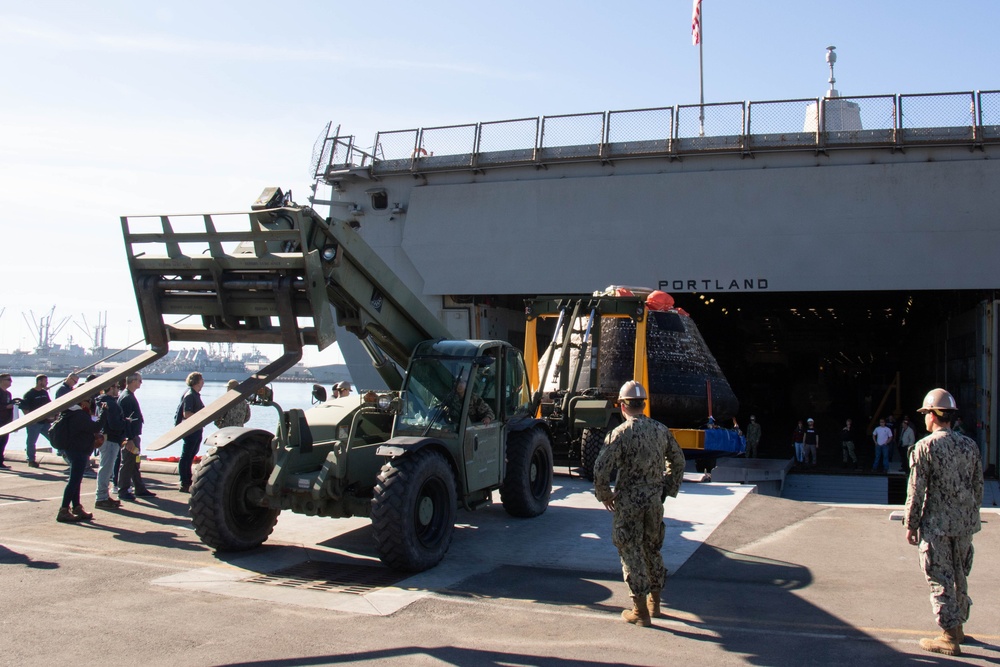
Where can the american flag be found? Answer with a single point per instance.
(696, 23)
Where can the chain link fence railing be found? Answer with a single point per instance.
(937, 117)
(640, 131)
(989, 114)
(322, 152)
(781, 124)
(507, 141)
(572, 135)
(870, 120)
(335, 151)
(450, 146)
(710, 127)
(395, 150)
(859, 121)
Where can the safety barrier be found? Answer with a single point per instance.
(821, 124)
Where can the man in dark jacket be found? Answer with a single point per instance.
(79, 443)
(68, 385)
(128, 475)
(190, 404)
(33, 399)
(113, 422)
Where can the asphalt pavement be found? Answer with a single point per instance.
(754, 580)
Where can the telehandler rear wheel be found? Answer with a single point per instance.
(413, 510)
(528, 481)
(591, 441)
(224, 507)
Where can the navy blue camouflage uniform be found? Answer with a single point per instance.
(639, 450)
(945, 491)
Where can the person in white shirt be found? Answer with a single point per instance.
(881, 436)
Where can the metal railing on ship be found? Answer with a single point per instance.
(820, 124)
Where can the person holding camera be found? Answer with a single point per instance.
(82, 436)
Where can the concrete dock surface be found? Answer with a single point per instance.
(754, 580)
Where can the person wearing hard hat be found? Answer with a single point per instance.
(650, 467)
(944, 493)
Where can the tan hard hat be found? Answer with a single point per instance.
(938, 399)
(632, 390)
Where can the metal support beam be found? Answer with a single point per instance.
(91, 388)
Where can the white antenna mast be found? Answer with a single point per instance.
(831, 59)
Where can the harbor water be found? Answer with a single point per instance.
(159, 398)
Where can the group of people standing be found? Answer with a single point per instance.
(805, 441)
(887, 439)
(107, 423)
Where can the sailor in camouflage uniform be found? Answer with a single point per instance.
(943, 498)
(479, 410)
(637, 449)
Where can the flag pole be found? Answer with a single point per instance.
(701, 70)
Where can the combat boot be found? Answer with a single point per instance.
(960, 633)
(66, 516)
(654, 604)
(639, 613)
(946, 644)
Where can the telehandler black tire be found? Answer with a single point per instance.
(222, 510)
(591, 441)
(527, 484)
(413, 510)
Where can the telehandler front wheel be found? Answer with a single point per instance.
(224, 497)
(413, 510)
(527, 483)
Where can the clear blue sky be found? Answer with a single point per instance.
(111, 108)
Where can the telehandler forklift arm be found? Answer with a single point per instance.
(274, 275)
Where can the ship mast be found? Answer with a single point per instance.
(44, 330)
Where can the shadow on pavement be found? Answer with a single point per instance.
(447, 655)
(573, 588)
(11, 557)
(158, 538)
(744, 603)
(19, 499)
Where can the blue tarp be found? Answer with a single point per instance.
(723, 440)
